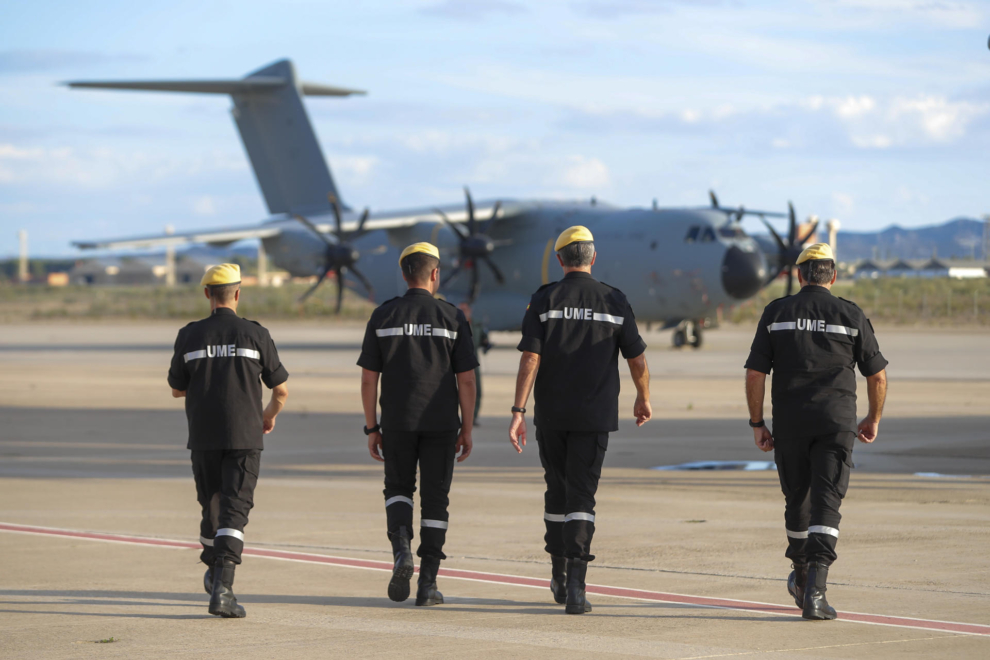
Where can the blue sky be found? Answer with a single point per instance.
(872, 111)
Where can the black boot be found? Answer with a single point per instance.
(558, 578)
(576, 602)
(222, 600)
(796, 581)
(815, 605)
(402, 572)
(427, 593)
(208, 580)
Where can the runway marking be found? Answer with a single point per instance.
(523, 581)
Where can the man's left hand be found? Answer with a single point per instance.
(464, 444)
(642, 411)
(268, 423)
(867, 431)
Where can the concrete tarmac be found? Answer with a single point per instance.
(90, 440)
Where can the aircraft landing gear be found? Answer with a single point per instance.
(688, 333)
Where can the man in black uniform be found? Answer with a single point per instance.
(573, 332)
(218, 366)
(811, 341)
(422, 350)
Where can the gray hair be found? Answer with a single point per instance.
(223, 293)
(818, 271)
(576, 255)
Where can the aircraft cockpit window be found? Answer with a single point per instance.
(708, 235)
(731, 231)
(692, 234)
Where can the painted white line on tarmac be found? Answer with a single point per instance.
(523, 581)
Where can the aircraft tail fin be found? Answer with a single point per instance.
(275, 130)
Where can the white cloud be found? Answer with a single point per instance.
(948, 13)
(584, 173)
(853, 106)
(357, 170)
(204, 206)
(843, 203)
(103, 167)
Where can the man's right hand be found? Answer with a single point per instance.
(642, 411)
(517, 431)
(763, 438)
(375, 446)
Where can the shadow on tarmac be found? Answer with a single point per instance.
(466, 605)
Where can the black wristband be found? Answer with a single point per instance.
(758, 424)
(518, 410)
(374, 429)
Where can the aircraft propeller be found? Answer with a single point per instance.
(475, 246)
(340, 255)
(789, 252)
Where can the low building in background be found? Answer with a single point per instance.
(933, 268)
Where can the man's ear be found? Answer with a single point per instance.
(835, 275)
(435, 274)
(593, 258)
(237, 295)
(206, 292)
(559, 260)
(799, 276)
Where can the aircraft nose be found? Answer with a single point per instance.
(743, 273)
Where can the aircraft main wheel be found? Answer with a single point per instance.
(696, 337)
(679, 338)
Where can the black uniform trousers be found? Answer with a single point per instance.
(572, 466)
(434, 453)
(814, 476)
(225, 481)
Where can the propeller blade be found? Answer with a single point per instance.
(711, 196)
(740, 213)
(495, 270)
(792, 225)
(776, 236)
(313, 288)
(360, 229)
(313, 229)
(491, 220)
(335, 205)
(454, 227)
(449, 277)
(790, 279)
(470, 210)
(340, 289)
(475, 284)
(364, 282)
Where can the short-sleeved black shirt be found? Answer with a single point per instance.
(578, 326)
(418, 344)
(220, 363)
(811, 341)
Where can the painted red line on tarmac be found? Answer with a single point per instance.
(522, 581)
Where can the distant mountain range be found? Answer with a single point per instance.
(959, 238)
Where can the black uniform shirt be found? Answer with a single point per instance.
(220, 363)
(578, 326)
(811, 341)
(418, 344)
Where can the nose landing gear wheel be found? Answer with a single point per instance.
(688, 333)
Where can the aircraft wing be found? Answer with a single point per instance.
(216, 237)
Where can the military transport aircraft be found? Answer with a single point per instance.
(677, 266)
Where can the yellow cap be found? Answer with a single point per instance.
(575, 234)
(425, 248)
(815, 252)
(222, 274)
